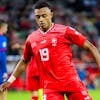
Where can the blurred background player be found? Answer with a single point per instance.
(3, 49)
(32, 79)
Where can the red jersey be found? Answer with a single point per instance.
(53, 53)
(32, 69)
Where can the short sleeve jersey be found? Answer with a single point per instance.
(53, 54)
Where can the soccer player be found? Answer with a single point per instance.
(32, 79)
(3, 48)
(50, 45)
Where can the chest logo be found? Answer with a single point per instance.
(54, 42)
(44, 41)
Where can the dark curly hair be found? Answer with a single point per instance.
(42, 3)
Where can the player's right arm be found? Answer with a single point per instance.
(20, 67)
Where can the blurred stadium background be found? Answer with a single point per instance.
(84, 15)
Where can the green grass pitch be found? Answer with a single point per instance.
(22, 95)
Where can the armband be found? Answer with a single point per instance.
(11, 79)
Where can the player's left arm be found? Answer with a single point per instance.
(95, 53)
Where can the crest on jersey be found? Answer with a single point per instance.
(54, 41)
(44, 41)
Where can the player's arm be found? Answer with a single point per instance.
(78, 39)
(20, 67)
(27, 54)
(95, 53)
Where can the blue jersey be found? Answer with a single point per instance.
(3, 43)
(3, 48)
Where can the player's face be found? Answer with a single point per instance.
(43, 17)
(4, 28)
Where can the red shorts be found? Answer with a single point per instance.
(70, 95)
(32, 83)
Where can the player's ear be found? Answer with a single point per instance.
(51, 14)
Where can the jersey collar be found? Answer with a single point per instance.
(47, 30)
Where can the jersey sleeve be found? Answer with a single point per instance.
(27, 50)
(74, 36)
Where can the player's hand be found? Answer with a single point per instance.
(4, 86)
